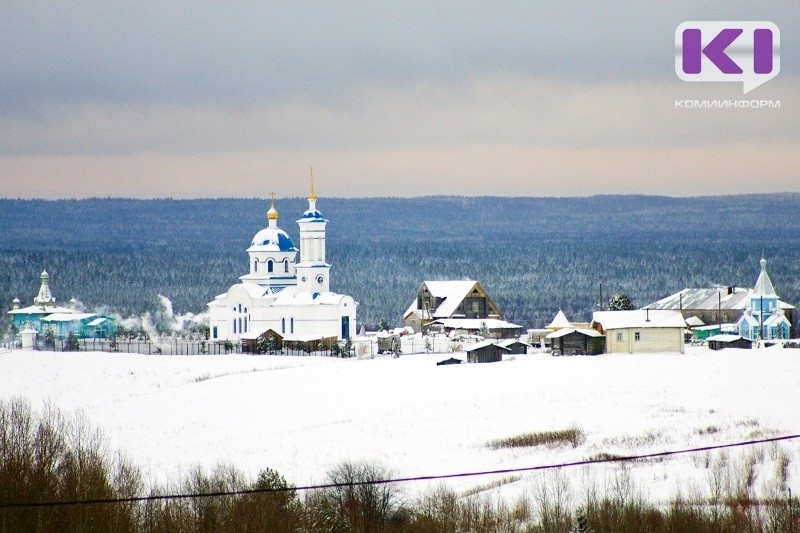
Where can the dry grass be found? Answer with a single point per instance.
(571, 436)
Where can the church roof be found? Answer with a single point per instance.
(763, 283)
(709, 298)
(273, 240)
(559, 321)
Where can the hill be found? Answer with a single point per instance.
(533, 255)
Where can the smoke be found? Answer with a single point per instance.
(163, 323)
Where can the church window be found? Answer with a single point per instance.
(291, 325)
(245, 324)
(240, 308)
(286, 265)
(240, 325)
(255, 265)
(269, 265)
(214, 333)
(320, 279)
(283, 325)
(245, 310)
(234, 326)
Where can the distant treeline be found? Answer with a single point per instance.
(533, 255)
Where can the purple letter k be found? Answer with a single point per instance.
(714, 51)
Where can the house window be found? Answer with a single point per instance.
(619, 336)
(214, 332)
(637, 336)
(269, 265)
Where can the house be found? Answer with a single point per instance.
(572, 341)
(451, 361)
(721, 341)
(641, 331)
(491, 328)
(716, 305)
(763, 318)
(279, 293)
(45, 315)
(449, 299)
(515, 345)
(485, 352)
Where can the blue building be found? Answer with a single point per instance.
(763, 318)
(44, 314)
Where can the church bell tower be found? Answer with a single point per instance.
(313, 273)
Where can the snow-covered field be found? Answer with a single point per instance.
(304, 415)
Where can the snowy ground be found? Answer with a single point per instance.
(304, 415)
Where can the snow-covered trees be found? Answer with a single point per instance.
(620, 302)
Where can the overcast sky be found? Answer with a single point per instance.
(383, 99)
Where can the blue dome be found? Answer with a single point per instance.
(313, 215)
(274, 240)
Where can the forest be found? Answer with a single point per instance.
(533, 255)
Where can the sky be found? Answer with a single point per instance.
(240, 99)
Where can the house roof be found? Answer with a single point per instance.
(476, 323)
(67, 317)
(559, 321)
(484, 344)
(724, 337)
(452, 292)
(694, 322)
(639, 318)
(566, 331)
(710, 298)
(508, 342)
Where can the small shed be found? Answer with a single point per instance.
(702, 333)
(721, 341)
(515, 345)
(451, 361)
(485, 352)
(571, 341)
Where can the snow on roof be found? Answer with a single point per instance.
(475, 323)
(559, 321)
(639, 318)
(508, 342)
(40, 310)
(453, 292)
(97, 321)
(763, 283)
(272, 240)
(566, 331)
(484, 344)
(67, 317)
(291, 296)
(710, 298)
(724, 337)
(694, 322)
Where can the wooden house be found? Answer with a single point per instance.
(515, 346)
(721, 341)
(571, 341)
(449, 299)
(485, 352)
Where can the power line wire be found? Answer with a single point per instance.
(556, 466)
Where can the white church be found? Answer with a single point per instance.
(293, 299)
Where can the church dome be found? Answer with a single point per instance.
(273, 240)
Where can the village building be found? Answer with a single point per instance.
(763, 318)
(45, 315)
(489, 328)
(453, 299)
(723, 340)
(720, 305)
(485, 352)
(291, 298)
(641, 331)
(577, 341)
